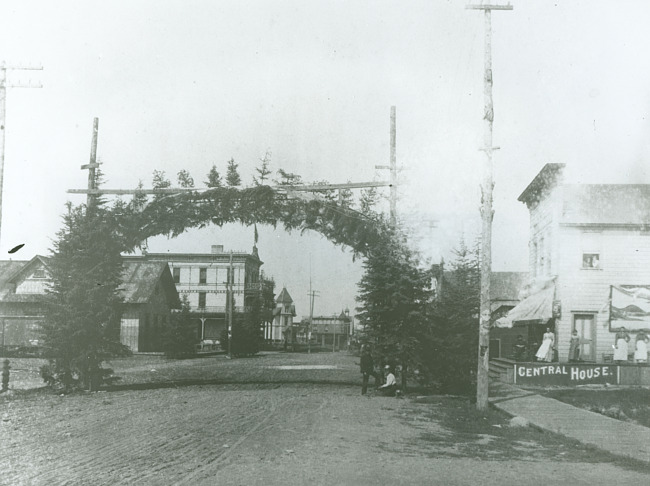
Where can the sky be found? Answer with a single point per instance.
(184, 84)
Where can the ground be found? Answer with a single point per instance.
(629, 404)
(289, 419)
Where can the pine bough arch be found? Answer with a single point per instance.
(174, 214)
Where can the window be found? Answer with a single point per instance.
(201, 300)
(177, 274)
(591, 253)
(203, 275)
(39, 273)
(590, 260)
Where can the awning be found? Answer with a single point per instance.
(537, 308)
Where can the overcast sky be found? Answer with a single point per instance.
(185, 84)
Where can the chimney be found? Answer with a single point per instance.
(217, 249)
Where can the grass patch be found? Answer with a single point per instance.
(628, 404)
(461, 431)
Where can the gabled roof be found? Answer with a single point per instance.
(606, 204)
(141, 279)
(8, 268)
(26, 266)
(547, 178)
(284, 297)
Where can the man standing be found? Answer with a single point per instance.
(367, 369)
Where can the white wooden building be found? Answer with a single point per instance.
(585, 241)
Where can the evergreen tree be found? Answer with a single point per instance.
(454, 328)
(393, 295)
(179, 338)
(246, 329)
(233, 179)
(82, 326)
(346, 198)
(368, 200)
(214, 179)
(263, 172)
(159, 180)
(288, 178)
(185, 179)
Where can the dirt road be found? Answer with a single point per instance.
(267, 434)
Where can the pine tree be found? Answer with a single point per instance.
(368, 200)
(454, 328)
(179, 337)
(82, 326)
(263, 171)
(246, 329)
(185, 179)
(233, 179)
(394, 294)
(214, 179)
(159, 180)
(289, 178)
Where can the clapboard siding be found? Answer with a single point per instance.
(625, 259)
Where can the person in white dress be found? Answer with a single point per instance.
(545, 351)
(620, 348)
(641, 351)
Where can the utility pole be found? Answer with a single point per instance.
(392, 167)
(3, 112)
(312, 295)
(229, 305)
(487, 215)
(92, 165)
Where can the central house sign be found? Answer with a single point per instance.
(565, 374)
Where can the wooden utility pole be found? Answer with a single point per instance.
(312, 295)
(487, 215)
(229, 305)
(93, 165)
(392, 166)
(3, 111)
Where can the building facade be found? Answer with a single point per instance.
(210, 282)
(587, 244)
(282, 327)
(332, 331)
(147, 288)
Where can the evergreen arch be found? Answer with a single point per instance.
(172, 215)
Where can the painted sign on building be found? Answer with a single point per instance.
(629, 307)
(565, 374)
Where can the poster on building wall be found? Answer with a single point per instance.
(629, 307)
(563, 374)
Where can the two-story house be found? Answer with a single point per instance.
(208, 279)
(589, 245)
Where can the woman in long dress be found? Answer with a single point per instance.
(545, 351)
(641, 351)
(620, 348)
(574, 347)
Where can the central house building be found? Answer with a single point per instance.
(589, 264)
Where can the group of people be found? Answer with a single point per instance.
(621, 347)
(389, 387)
(622, 338)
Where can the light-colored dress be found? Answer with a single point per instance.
(545, 351)
(641, 352)
(620, 352)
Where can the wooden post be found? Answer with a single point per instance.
(487, 215)
(229, 304)
(92, 165)
(393, 167)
